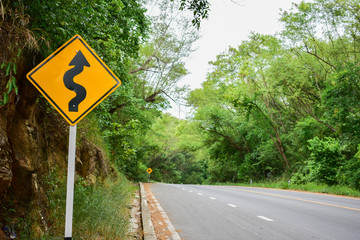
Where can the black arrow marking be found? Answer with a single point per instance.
(79, 61)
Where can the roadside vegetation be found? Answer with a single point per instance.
(100, 211)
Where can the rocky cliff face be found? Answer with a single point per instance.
(34, 143)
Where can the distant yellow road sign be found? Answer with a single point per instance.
(149, 170)
(74, 79)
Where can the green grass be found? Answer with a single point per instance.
(310, 187)
(100, 212)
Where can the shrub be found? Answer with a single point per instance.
(349, 174)
(325, 160)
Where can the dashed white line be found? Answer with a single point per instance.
(232, 205)
(265, 218)
(200, 194)
(212, 198)
(190, 191)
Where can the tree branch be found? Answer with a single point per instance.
(315, 55)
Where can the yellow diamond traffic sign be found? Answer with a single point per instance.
(149, 170)
(74, 79)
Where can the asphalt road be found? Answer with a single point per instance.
(228, 212)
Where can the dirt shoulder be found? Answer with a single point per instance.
(160, 226)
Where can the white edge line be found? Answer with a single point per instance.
(265, 218)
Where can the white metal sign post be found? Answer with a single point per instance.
(94, 81)
(70, 183)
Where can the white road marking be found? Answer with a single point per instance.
(232, 205)
(183, 188)
(200, 194)
(265, 218)
(190, 191)
(212, 198)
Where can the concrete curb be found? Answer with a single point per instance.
(148, 227)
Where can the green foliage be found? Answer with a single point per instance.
(99, 210)
(114, 29)
(10, 69)
(269, 161)
(325, 160)
(170, 149)
(200, 9)
(90, 128)
(341, 100)
(16, 39)
(324, 163)
(304, 130)
(121, 137)
(349, 174)
(128, 114)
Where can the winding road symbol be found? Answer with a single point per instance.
(79, 61)
(74, 79)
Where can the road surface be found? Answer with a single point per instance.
(229, 212)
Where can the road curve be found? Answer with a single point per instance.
(231, 212)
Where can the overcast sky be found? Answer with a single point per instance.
(228, 25)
